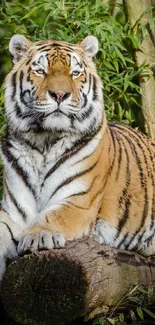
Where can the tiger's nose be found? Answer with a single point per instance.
(59, 96)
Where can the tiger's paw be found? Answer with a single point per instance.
(43, 240)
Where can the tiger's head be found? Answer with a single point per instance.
(53, 86)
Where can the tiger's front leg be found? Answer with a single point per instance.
(55, 227)
(10, 233)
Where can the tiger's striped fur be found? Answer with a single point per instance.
(68, 173)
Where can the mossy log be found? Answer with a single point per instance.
(83, 279)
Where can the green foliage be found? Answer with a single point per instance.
(136, 314)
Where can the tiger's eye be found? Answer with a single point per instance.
(76, 73)
(40, 71)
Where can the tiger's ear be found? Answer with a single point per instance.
(90, 45)
(19, 46)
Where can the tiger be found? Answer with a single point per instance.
(68, 173)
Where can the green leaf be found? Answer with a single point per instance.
(148, 9)
(31, 12)
(126, 82)
(151, 23)
(150, 313)
(140, 312)
(109, 65)
(143, 30)
(121, 317)
(135, 41)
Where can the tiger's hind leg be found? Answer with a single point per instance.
(147, 248)
(105, 233)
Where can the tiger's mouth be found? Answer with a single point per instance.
(57, 112)
(46, 109)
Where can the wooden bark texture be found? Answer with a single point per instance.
(146, 54)
(83, 279)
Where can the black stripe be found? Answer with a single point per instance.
(13, 82)
(21, 84)
(85, 100)
(72, 178)
(149, 239)
(138, 240)
(28, 61)
(92, 125)
(84, 115)
(77, 206)
(124, 217)
(11, 234)
(89, 81)
(34, 64)
(62, 59)
(85, 157)
(22, 92)
(32, 146)
(21, 76)
(128, 174)
(14, 164)
(95, 97)
(46, 49)
(29, 70)
(100, 191)
(85, 64)
(133, 237)
(46, 55)
(123, 240)
(114, 146)
(14, 201)
(84, 192)
(18, 110)
(87, 113)
(123, 198)
(68, 50)
(77, 146)
(119, 158)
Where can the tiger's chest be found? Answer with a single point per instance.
(46, 167)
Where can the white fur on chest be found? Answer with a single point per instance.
(51, 178)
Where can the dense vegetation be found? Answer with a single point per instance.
(72, 21)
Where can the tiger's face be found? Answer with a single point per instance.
(53, 86)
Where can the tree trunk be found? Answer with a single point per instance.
(83, 279)
(146, 54)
